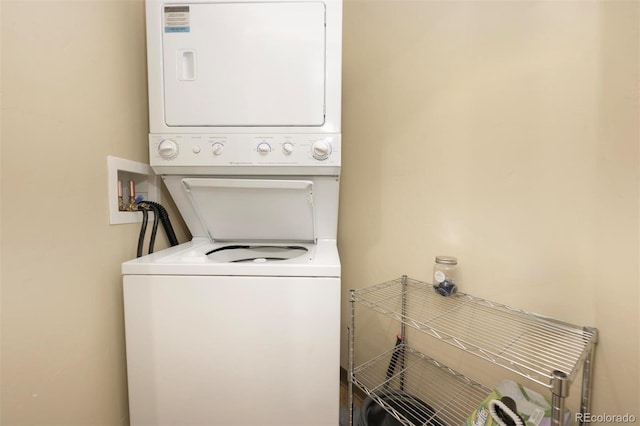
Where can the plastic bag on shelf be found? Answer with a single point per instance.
(512, 404)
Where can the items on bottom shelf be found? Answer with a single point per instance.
(512, 404)
(420, 391)
(418, 412)
(401, 403)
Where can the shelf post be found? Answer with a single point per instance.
(587, 377)
(351, 345)
(559, 391)
(403, 328)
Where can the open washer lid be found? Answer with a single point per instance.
(253, 209)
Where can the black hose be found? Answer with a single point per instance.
(398, 350)
(143, 229)
(166, 223)
(154, 230)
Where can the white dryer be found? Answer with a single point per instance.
(241, 325)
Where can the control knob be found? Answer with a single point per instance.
(168, 149)
(263, 148)
(321, 150)
(287, 148)
(217, 148)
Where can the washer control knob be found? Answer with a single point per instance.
(287, 148)
(168, 149)
(217, 148)
(321, 150)
(263, 148)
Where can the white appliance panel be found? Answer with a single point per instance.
(244, 64)
(318, 220)
(232, 351)
(222, 151)
(253, 209)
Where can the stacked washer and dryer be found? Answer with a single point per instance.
(241, 325)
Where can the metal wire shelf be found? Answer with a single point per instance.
(436, 394)
(534, 346)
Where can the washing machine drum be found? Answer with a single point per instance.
(413, 409)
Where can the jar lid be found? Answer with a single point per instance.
(446, 260)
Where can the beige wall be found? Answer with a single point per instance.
(73, 92)
(504, 133)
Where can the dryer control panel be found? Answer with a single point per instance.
(244, 150)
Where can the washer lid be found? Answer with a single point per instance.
(253, 209)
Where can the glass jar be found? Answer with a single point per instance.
(445, 271)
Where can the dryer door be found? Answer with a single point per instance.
(244, 64)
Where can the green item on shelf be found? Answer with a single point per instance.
(512, 404)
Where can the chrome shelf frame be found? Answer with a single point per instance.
(541, 349)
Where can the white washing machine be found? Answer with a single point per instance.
(243, 330)
(240, 326)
